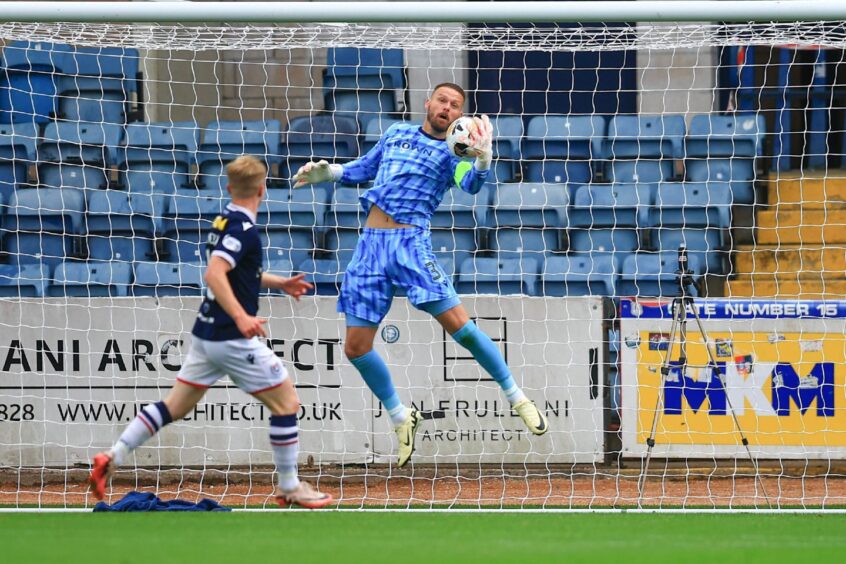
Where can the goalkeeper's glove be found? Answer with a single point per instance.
(317, 172)
(481, 140)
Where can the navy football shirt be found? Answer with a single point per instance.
(235, 239)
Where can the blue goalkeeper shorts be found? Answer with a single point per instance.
(387, 259)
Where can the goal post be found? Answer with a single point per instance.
(617, 144)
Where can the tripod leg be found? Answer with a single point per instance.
(740, 432)
(659, 402)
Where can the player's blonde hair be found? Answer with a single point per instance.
(246, 174)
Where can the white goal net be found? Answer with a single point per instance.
(616, 145)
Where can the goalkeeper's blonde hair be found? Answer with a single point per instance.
(246, 174)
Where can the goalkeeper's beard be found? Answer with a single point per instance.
(431, 117)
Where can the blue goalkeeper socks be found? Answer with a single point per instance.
(377, 377)
(488, 356)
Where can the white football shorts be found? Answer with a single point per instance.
(248, 362)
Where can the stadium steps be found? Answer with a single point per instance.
(800, 249)
(809, 189)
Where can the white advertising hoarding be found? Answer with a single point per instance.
(75, 371)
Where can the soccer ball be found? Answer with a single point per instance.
(458, 137)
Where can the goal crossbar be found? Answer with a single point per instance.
(446, 12)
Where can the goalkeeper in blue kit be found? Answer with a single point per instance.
(412, 169)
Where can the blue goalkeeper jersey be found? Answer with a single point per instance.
(235, 239)
(412, 172)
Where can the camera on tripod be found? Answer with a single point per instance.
(687, 283)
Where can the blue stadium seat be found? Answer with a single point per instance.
(28, 85)
(560, 148)
(280, 267)
(123, 226)
(91, 279)
(362, 105)
(614, 241)
(724, 149)
(462, 210)
(642, 147)
(98, 84)
(166, 279)
(292, 221)
(17, 150)
(486, 275)
(346, 210)
(578, 275)
(187, 224)
(612, 205)
(299, 208)
(374, 130)
(325, 274)
(44, 224)
(23, 280)
(528, 219)
(224, 141)
(692, 204)
(78, 154)
(653, 274)
(353, 68)
(706, 245)
(507, 134)
(457, 244)
(157, 157)
(315, 137)
(296, 245)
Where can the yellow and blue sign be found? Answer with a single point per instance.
(786, 384)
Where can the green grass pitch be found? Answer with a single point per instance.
(302, 536)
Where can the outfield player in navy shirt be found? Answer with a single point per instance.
(225, 341)
(412, 168)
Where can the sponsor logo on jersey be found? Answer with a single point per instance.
(232, 243)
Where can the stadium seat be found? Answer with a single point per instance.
(292, 221)
(704, 244)
(157, 157)
(344, 218)
(23, 280)
(614, 241)
(165, 279)
(614, 205)
(462, 210)
(527, 219)
(578, 275)
(17, 150)
(374, 130)
(224, 141)
(78, 154)
(44, 224)
(457, 244)
(507, 134)
(91, 279)
(295, 245)
(642, 147)
(653, 274)
(486, 275)
(560, 148)
(124, 226)
(98, 84)
(187, 224)
(315, 137)
(724, 149)
(28, 85)
(362, 105)
(325, 274)
(300, 208)
(354, 68)
(692, 204)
